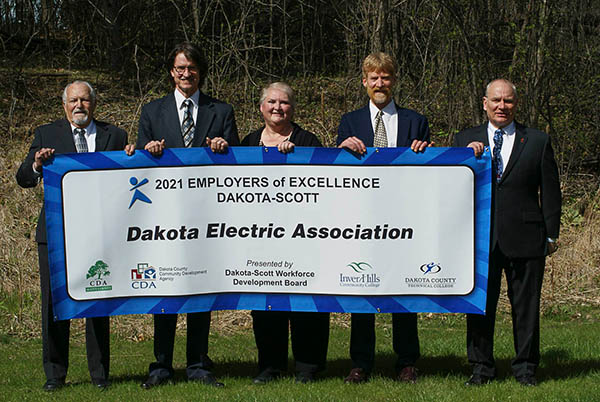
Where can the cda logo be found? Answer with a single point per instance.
(143, 277)
(360, 276)
(97, 275)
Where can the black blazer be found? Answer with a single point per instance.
(411, 126)
(299, 137)
(58, 135)
(159, 119)
(526, 202)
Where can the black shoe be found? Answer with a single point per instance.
(208, 379)
(357, 376)
(154, 381)
(54, 384)
(102, 385)
(527, 380)
(266, 376)
(478, 379)
(303, 377)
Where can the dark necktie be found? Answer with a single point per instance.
(80, 141)
(380, 139)
(497, 156)
(187, 127)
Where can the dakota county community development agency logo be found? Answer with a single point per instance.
(138, 195)
(143, 276)
(360, 274)
(97, 275)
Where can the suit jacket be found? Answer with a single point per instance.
(159, 119)
(526, 202)
(58, 135)
(411, 126)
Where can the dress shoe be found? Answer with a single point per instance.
(154, 381)
(408, 374)
(303, 377)
(102, 384)
(478, 379)
(356, 376)
(53, 384)
(208, 379)
(266, 376)
(527, 380)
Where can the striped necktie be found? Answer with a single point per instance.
(80, 141)
(187, 127)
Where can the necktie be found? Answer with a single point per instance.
(497, 157)
(80, 141)
(380, 139)
(187, 127)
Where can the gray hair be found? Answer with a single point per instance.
(487, 87)
(87, 84)
(281, 86)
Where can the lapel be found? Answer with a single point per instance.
(65, 136)
(170, 119)
(402, 134)
(364, 126)
(102, 136)
(520, 141)
(204, 120)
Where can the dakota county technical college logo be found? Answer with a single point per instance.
(143, 277)
(97, 275)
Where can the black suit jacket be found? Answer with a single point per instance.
(411, 126)
(58, 135)
(527, 200)
(159, 119)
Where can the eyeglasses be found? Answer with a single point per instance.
(181, 69)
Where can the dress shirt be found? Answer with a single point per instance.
(179, 98)
(390, 121)
(90, 135)
(508, 140)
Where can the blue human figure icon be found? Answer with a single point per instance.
(138, 195)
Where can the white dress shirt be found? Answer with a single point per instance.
(90, 135)
(508, 140)
(179, 98)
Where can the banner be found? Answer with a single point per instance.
(315, 230)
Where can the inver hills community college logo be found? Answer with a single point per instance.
(97, 275)
(360, 276)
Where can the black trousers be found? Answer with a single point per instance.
(524, 278)
(55, 334)
(309, 333)
(405, 338)
(198, 362)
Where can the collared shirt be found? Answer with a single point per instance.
(508, 140)
(390, 121)
(90, 135)
(179, 98)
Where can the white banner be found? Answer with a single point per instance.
(311, 229)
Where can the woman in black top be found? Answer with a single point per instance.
(309, 330)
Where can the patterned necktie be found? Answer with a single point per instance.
(187, 127)
(80, 141)
(497, 157)
(380, 139)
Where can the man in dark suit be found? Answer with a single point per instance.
(382, 124)
(185, 118)
(526, 204)
(79, 132)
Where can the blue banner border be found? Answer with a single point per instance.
(65, 307)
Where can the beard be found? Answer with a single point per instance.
(79, 120)
(380, 96)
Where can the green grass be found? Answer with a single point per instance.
(569, 371)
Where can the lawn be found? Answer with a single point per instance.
(570, 368)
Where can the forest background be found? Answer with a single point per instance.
(446, 51)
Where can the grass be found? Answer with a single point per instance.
(569, 370)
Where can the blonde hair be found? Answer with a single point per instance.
(379, 62)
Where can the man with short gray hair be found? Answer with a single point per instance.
(79, 132)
